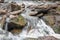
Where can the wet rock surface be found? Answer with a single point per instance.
(48, 12)
(39, 11)
(12, 10)
(20, 21)
(43, 38)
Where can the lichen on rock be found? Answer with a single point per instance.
(19, 20)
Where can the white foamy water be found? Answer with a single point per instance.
(39, 27)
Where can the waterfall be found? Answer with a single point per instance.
(41, 29)
(38, 29)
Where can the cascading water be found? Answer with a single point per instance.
(39, 28)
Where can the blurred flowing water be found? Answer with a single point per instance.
(38, 29)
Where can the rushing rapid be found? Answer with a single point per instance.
(38, 29)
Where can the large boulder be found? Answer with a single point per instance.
(50, 20)
(19, 20)
(16, 25)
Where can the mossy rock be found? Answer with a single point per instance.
(16, 25)
(20, 20)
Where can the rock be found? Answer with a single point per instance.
(57, 25)
(32, 6)
(50, 20)
(16, 31)
(53, 6)
(44, 9)
(30, 39)
(13, 16)
(47, 38)
(4, 8)
(52, 12)
(57, 2)
(16, 25)
(40, 12)
(15, 6)
(43, 38)
(53, 21)
(33, 13)
(17, 12)
(16, 9)
(19, 20)
(36, 14)
(23, 6)
(44, 6)
(57, 19)
(1, 1)
(2, 21)
(40, 15)
(3, 12)
(38, 6)
(14, 28)
(58, 10)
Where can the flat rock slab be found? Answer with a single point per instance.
(43, 38)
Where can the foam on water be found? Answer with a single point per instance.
(39, 27)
